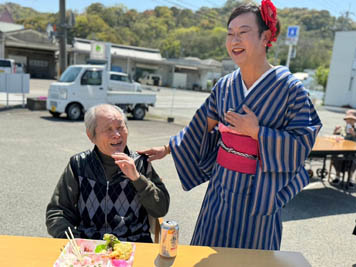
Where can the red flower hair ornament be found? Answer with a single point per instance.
(269, 16)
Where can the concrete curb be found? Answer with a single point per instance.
(336, 109)
(4, 108)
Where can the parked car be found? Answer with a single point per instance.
(20, 67)
(120, 81)
(151, 79)
(196, 87)
(7, 65)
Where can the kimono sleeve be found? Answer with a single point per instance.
(191, 147)
(285, 150)
(212, 106)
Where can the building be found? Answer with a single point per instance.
(192, 73)
(33, 49)
(4, 28)
(228, 66)
(129, 59)
(188, 73)
(341, 86)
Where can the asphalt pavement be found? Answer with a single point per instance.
(35, 148)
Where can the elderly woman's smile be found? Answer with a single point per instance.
(110, 132)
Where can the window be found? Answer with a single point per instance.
(5, 63)
(92, 77)
(115, 77)
(125, 79)
(122, 78)
(70, 74)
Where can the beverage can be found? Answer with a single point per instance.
(169, 239)
(348, 128)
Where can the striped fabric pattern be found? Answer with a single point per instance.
(241, 210)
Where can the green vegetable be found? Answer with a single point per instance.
(111, 240)
(100, 248)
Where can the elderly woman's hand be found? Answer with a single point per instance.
(244, 124)
(127, 165)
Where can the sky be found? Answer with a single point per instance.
(335, 7)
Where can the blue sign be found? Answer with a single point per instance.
(292, 35)
(293, 32)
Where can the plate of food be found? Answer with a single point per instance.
(110, 252)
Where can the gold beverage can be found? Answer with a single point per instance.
(169, 239)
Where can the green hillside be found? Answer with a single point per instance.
(183, 32)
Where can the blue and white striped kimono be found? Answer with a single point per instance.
(242, 210)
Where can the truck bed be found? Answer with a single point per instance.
(117, 97)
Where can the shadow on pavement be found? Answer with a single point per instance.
(59, 119)
(311, 203)
(65, 119)
(6, 108)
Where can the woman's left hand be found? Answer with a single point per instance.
(243, 124)
(127, 165)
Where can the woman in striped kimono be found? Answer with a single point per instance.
(249, 140)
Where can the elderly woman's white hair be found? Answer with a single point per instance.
(90, 117)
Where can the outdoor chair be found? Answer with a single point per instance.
(155, 228)
(347, 162)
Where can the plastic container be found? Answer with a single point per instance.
(90, 258)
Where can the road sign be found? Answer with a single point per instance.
(292, 35)
(97, 51)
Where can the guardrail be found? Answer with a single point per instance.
(15, 83)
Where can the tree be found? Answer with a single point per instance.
(170, 47)
(96, 9)
(89, 26)
(183, 32)
(321, 75)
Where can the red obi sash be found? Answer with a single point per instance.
(237, 152)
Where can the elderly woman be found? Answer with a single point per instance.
(109, 189)
(341, 163)
(249, 140)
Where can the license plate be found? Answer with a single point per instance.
(53, 108)
(1, 70)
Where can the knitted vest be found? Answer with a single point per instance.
(108, 207)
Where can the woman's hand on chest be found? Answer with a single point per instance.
(246, 124)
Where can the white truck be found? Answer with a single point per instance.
(83, 86)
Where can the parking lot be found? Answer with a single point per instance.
(35, 148)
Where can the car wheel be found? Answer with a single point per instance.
(74, 112)
(55, 114)
(139, 112)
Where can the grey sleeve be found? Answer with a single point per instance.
(62, 210)
(152, 193)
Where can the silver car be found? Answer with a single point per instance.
(7, 65)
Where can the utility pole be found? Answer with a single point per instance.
(62, 37)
